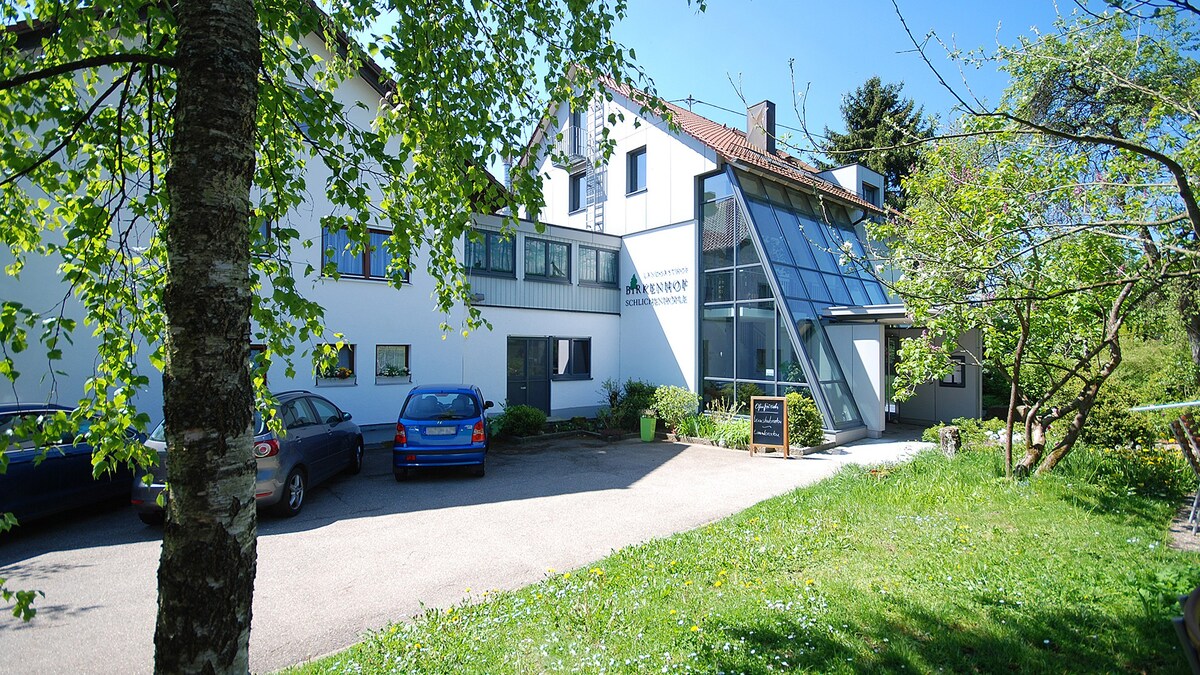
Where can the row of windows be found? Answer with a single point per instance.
(635, 180)
(391, 361)
(495, 253)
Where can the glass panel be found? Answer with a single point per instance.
(789, 282)
(752, 283)
(503, 253)
(838, 213)
(790, 368)
(876, 292)
(562, 356)
(476, 254)
(775, 193)
(538, 358)
(348, 262)
(535, 258)
(746, 253)
(800, 202)
(755, 347)
(717, 187)
(714, 390)
(717, 233)
(768, 232)
(840, 403)
(516, 359)
(815, 233)
(816, 287)
(718, 286)
(380, 258)
(637, 170)
(558, 258)
(837, 288)
(716, 342)
(581, 357)
(390, 359)
(857, 293)
(587, 265)
(751, 186)
(793, 232)
(607, 266)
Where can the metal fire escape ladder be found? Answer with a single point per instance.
(597, 168)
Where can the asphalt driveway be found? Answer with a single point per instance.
(366, 550)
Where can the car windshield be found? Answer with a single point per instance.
(159, 434)
(440, 406)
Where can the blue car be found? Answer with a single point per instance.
(441, 425)
(44, 480)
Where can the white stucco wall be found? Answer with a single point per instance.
(672, 164)
(658, 327)
(860, 351)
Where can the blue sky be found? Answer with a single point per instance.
(836, 45)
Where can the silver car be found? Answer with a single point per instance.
(319, 441)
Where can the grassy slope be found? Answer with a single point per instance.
(933, 565)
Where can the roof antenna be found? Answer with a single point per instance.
(690, 101)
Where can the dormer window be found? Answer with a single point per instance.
(870, 193)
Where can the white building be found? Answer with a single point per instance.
(702, 257)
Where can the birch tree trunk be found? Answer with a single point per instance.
(206, 574)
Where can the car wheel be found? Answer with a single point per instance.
(153, 518)
(402, 475)
(356, 459)
(293, 494)
(477, 470)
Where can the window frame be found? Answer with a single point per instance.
(406, 369)
(488, 269)
(957, 377)
(573, 373)
(635, 181)
(350, 362)
(366, 273)
(598, 281)
(577, 193)
(545, 246)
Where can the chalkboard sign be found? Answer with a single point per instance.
(768, 424)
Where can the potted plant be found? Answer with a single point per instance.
(392, 374)
(649, 424)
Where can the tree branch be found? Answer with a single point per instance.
(83, 64)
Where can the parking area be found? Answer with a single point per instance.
(367, 550)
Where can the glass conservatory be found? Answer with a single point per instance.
(773, 259)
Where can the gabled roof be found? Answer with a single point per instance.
(732, 145)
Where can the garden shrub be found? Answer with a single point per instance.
(698, 426)
(1111, 425)
(804, 421)
(521, 420)
(733, 432)
(975, 433)
(625, 402)
(674, 404)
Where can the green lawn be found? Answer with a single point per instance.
(934, 565)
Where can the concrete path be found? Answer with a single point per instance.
(366, 550)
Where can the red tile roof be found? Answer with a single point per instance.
(731, 144)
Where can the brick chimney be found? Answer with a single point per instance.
(760, 126)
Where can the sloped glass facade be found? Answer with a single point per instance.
(771, 261)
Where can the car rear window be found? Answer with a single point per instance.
(440, 406)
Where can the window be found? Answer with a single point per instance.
(372, 262)
(572, 358)
(392, 360)
(635, 170)
(343, 366)
(870, 193)
(579, 196)
(327, 413)
(492, 253)
(957, 377)
(575, 132)
(549, 259)
(597, 266)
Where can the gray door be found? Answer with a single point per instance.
(529, 372)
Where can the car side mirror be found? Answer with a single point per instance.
(488, 404)
(346, 417)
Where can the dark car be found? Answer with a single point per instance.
(319, 441)
(62, 480)
(441, 425)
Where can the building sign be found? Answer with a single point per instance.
(659, 287)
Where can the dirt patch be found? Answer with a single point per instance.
(1181, 534)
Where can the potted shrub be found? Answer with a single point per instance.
(649, 424)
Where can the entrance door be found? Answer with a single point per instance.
(529, 372)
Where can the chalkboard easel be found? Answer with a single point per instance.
(768, 424)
